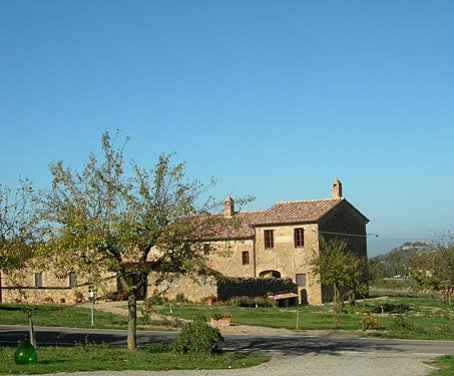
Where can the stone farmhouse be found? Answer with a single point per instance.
(279, 242)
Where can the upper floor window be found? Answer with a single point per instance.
(299, 237)
(245, 258)
(269, 238)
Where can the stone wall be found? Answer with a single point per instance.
(52, 289)
(190, 289)
(344, 223)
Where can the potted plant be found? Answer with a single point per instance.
(220, 319)
(210, 299)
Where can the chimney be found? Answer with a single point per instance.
(336, 189)
(229, 208)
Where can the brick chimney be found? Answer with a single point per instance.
(229, 207)
(336, 189)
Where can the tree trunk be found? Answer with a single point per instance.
(31, 329)
(335, 297)
(132, 321)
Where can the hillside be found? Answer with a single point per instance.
(407, 250)
(396, 262)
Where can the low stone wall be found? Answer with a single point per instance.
(190, 289)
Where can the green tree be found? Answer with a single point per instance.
(105, 220)
(435, 270)
(339, 267)
(19, 227)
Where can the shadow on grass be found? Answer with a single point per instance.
(32, 308)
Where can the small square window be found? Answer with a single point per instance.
(245, 258)
(72, 280)
(269, 238)
(301, 280)
(38, 280)
(299, 237)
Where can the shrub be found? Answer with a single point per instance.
(369, 323)
(197, 337)
(246, 301)
(180, 298)
(219, 316)
(401, 323)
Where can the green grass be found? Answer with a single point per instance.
(102, 357)
(445, 366)
(63, 316)
(423, 317)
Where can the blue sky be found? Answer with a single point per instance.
(273, 98)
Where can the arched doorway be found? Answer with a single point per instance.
(270, 274)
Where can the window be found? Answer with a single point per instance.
(245, 258)
(38, 280)
(206, 248)
(269, 239)
(72, 280)
(299, 237)
(301, 280)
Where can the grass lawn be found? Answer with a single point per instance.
(63, 316)
(415, 317)
(412, 316)
(445, 366)
(101, 357)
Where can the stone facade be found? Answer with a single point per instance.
(277, 242)
(46, 287)
(266, 245)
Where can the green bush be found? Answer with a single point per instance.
(247, 301)
(180, 298)
(197, 337)
(369, 323)
(403, 324)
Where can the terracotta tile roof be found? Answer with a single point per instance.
(237, 227)
(242, 224)
(296, 211)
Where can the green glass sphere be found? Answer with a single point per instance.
(25, 354)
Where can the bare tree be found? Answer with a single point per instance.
(19, 227)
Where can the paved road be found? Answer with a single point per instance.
(293, 353)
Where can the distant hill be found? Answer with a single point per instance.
(407, 249)
(397, 261)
